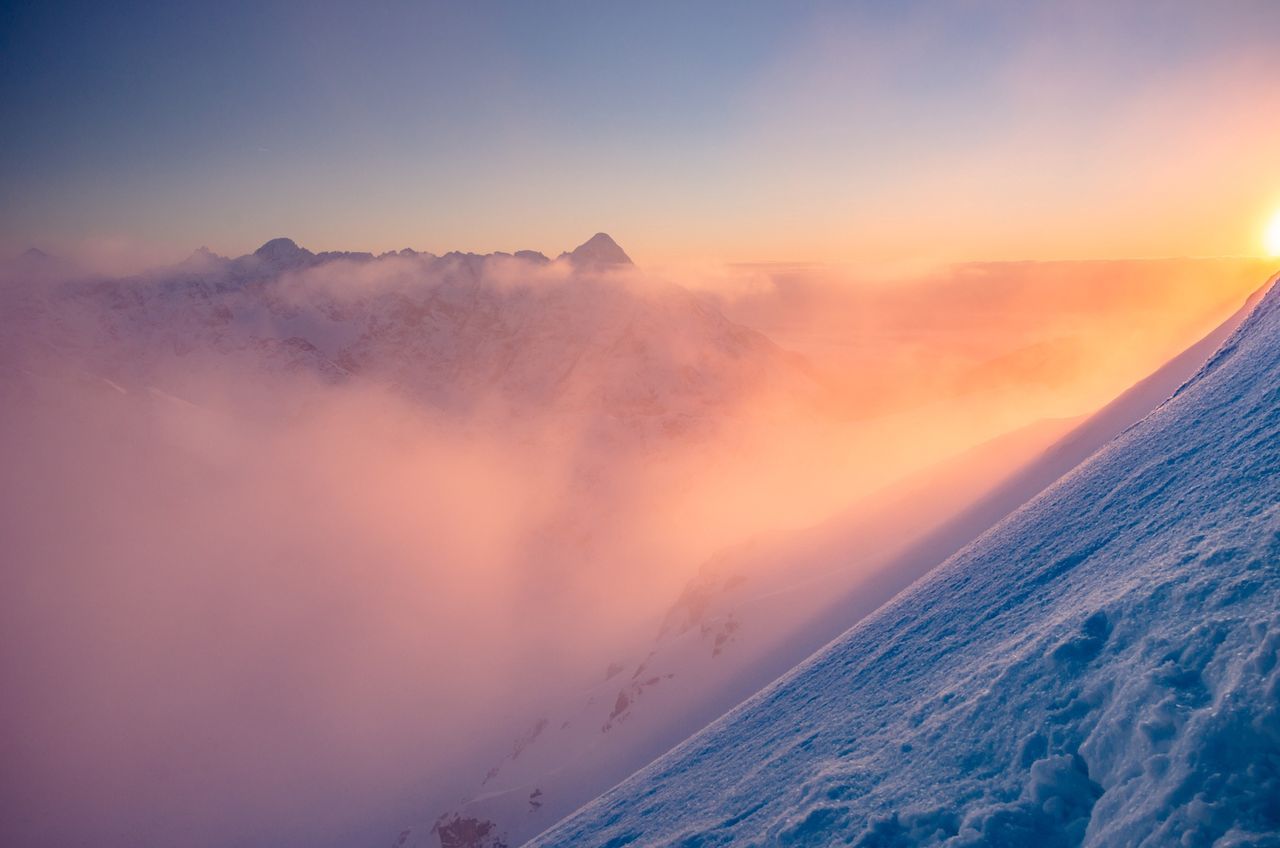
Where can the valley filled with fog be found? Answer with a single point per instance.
(328, 547)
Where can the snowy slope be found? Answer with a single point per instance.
(731, 631)
(756, 611)
(1102, 667)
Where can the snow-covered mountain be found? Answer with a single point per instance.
(1101, 667)
(758, 610)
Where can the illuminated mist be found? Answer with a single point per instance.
(296, 546)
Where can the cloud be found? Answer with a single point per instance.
(281, 606)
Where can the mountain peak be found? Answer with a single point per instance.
(600, 249)
(201, 259)
(531, 256)
(282, 250)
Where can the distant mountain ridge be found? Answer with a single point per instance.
(450, 331)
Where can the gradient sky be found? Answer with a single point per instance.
(740, 131)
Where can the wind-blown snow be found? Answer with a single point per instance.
(1103, 667)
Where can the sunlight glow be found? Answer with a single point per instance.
(1272, 237)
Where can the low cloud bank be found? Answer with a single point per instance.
(290, 550)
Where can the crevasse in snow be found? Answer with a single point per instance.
(1101, 668)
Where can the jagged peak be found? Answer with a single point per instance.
(600, 249)
(203, 253)
(201, 259)
(281, 250)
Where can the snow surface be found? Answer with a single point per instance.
(1102, 667)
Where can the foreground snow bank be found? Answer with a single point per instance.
(1103, 667)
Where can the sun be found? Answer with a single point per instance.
(1272, 238)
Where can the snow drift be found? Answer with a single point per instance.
(1102, 667)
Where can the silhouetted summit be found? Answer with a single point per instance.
(282, 250)
(600, 249)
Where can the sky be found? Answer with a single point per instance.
(745, 132)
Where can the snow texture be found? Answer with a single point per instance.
(1102, 668)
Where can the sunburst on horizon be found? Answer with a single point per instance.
(1271, 239)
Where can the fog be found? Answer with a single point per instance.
(265, 593)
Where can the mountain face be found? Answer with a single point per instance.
(1102, 667)
(757, 611)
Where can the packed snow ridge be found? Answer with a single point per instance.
(1100, 668)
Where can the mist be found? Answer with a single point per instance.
(292, 549)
